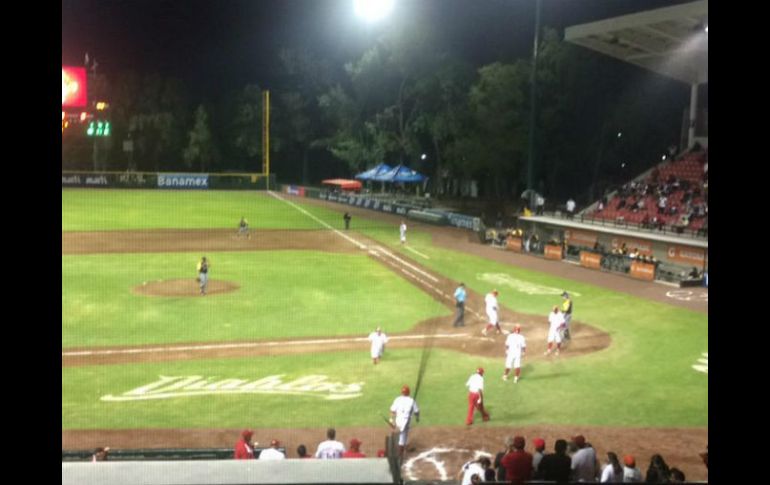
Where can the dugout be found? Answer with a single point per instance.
(676, 256)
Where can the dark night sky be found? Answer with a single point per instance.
(218, 45)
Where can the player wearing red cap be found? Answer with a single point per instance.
(515, 348)
(475, 387)
(355, 450)
(401, 412)
(243, 448)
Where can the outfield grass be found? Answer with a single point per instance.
(643, 379)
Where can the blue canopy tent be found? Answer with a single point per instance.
(374, 171)
(400, 173)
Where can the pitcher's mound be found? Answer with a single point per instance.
(183, 287)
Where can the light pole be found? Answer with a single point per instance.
(533, 102)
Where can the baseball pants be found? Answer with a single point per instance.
(473, 404)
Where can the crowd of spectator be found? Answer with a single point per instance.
(329, 449)
(674, 195)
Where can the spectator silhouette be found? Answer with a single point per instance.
(658, 471)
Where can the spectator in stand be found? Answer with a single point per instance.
(330, 449)
(539, 204)
(658, 471)
(631, 474)
(570, 208)
(355, 450)
(677, 476)
(302, 452)
(584, 465)
(624, 249)
(555, 466)
(272, 453)
(639, 205)
(600, 206)
(612, 471)
(662, 204)
(634, 254)
(622, 203)
(244, 448)
(517, 462)
(646, 221)
(100, 454)
(499, 468)
(537, 456)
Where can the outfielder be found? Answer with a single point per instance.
(475, 387)
(566, 308)
(556, 321)
(401, 412)
(491, 301)
(203, 274)
(402, 231)
(515, 348)
(378, 340)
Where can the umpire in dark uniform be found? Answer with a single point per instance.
(347, 218)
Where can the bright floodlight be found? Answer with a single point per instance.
(373, 10)
(424, 156)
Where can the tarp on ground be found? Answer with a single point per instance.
(374, 171)
(400, 173)
(343, 184)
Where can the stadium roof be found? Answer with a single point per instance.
(672, 41)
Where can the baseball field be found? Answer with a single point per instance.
(279, 342)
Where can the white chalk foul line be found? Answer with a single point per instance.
(418, 253)
(408, 265)
(244, 345)
(339, 233)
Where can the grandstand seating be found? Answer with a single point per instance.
(687, 168)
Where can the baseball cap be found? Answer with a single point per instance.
(539, 443)
(579, 440)
(247, 434)
(405, 390)
(495, 292)
(355, 443)
(274, 442)
(517, 328)
(565, 294)
(629, 461)
(480, 370)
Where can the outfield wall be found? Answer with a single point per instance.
(168, 180)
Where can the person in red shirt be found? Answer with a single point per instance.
(302, 452)
(517, 462)
(354, 450)
(243, 448)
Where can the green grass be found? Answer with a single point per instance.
(643, 379)
(100, 210)
(282, 294)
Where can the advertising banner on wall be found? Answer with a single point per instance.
(183, 181)
(642, 271)
(580, 238)
(644, 247)
(514, 244)
(553, 251)
(590, 260)
(686, 255)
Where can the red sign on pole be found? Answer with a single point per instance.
(74, 92)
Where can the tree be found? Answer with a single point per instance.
(200, 148)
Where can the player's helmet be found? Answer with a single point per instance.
(405, 390)
(480, 370)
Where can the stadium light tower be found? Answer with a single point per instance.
(533, 104)
(373, 10)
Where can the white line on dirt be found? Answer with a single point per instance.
(182, 348)
(408, 265)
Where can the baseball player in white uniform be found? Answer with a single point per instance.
(378, 340)
(402, 231)
(401, 412)
(494, 322)
(556, 326)
(515, 348)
